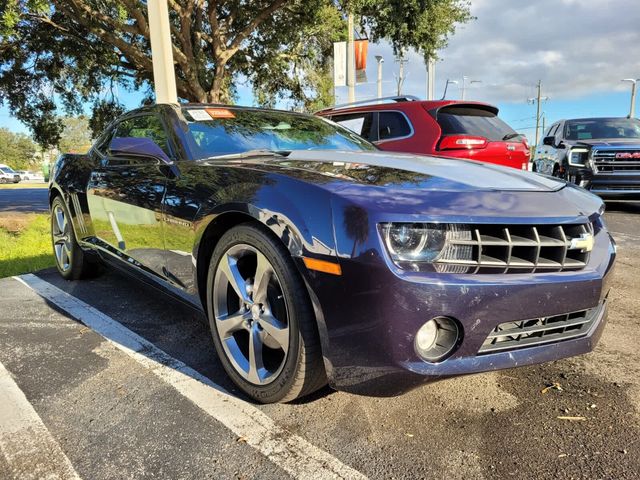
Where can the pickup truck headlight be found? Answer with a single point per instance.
(578, 157)
(411, 244)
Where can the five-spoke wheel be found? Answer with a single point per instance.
(261, 318)
(251, 314)
(71, 260)
(60, 232)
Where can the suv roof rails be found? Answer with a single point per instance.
(395, 98)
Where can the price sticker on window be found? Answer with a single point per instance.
(220, 113)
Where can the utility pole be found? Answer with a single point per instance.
(634, 84)
(539, 98)
(380, 61)
(431, 78)
(164, 76)
(351, 60)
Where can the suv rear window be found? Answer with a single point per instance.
(466, 120)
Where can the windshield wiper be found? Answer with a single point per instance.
(258, 152)
(509, 136)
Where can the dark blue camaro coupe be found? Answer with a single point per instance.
(318, 258)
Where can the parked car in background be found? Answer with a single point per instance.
(26, 175)
(8, 174)
(449, 128)
(599, 154)
(317, 257)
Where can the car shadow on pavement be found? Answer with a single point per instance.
(177, 329)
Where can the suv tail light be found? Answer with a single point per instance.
(458, 142)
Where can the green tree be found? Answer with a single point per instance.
(16, 150)
(65, 52)
(76, 136)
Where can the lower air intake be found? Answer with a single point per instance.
(538, 331)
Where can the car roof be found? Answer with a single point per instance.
(429, 105)
(596, 118)
(156, 107)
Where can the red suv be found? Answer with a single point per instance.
(448, 128)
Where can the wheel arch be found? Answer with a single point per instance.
(281, 228)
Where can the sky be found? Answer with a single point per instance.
(579, 49)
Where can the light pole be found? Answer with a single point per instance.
(634, 82)
(431, 78)
(464, 84)
(446, 86)
(164, 77)
(380, 61)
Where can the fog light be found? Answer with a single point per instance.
(436, 338)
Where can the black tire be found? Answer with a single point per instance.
(78, 266)
(302, 369)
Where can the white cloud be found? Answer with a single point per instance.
(576, 47)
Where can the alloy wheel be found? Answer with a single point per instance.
(61, 232)
(251, 314)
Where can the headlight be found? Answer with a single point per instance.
(414, 245)
(414, 241)
(578, 157)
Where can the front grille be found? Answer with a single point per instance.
(516, 249)
(538, 331)
(606, 161)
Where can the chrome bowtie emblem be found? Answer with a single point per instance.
(584, 243)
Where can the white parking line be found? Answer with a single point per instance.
(30, 451)
(291, 452)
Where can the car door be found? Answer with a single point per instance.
(126, 190)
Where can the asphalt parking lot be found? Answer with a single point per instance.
(136, 391)
(24, 200)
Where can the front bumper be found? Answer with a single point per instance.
(608, 186)
(370, 315)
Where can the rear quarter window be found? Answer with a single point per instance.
(393, 125)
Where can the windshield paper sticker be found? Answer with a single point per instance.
(199, 115)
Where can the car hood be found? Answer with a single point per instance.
(417, 172)
(608, 142)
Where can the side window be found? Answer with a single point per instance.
(554, 130)
(144, 126)
(393, 125)
(359, 123)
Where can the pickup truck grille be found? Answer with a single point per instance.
(517, 249)
(538, 331)
(607, 161)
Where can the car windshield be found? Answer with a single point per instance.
(224, 131)
(7, 169)
(474, 120)
(602, 128)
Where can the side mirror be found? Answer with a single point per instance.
(550, 141)
(138, 147)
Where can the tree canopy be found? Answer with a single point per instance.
(63, 54)
(16, 150)
(76, 136)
